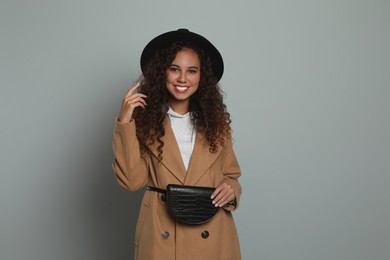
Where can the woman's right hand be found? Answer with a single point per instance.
(130, 101)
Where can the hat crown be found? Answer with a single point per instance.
(183, 30)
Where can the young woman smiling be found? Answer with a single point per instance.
(173, 128)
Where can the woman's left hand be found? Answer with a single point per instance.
(222, 195)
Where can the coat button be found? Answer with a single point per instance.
(205, 234)
(163, 197)
(165, 235)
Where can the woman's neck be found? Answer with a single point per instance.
(179, 107)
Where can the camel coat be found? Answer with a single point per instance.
(158, 236)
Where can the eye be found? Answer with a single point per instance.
(192, 71)
(173, 69)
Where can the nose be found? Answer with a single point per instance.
(182, 77)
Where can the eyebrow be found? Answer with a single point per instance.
(190, 67)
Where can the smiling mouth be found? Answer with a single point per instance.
(181, 88)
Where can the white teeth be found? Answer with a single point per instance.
(181, 88)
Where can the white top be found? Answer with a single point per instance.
(185, 134)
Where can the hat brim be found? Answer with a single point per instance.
(183, 35)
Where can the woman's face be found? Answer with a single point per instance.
(183, 76)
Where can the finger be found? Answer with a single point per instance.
(217, 190)
(133, 106)
(137, 104)
(226, 200)
(220, 197)
(132, 97)
(224, 196)
(130, 100)
(130, 91)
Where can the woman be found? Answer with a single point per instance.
(173, 128)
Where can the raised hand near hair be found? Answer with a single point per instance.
(130, 101)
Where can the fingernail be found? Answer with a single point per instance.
(213, 201)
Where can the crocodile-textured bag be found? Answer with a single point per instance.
(189, 204)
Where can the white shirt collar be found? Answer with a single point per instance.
(177, 115)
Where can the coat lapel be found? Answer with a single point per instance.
(172, 159)
(201, 160)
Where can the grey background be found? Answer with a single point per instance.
(307, 85)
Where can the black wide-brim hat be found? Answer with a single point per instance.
(165, 40)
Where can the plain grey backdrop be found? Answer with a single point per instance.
(307, 84)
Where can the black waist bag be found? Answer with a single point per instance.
(189, 204)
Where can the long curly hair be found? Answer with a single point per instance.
(207, 109)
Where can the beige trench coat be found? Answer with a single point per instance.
(158, 236)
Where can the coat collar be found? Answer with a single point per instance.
(201, 158)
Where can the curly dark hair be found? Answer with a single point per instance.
(208, 111)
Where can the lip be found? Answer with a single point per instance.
(181, 88)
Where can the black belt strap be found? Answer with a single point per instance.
(156, 189)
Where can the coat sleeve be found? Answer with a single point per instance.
(130, 168)
(231, 171)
